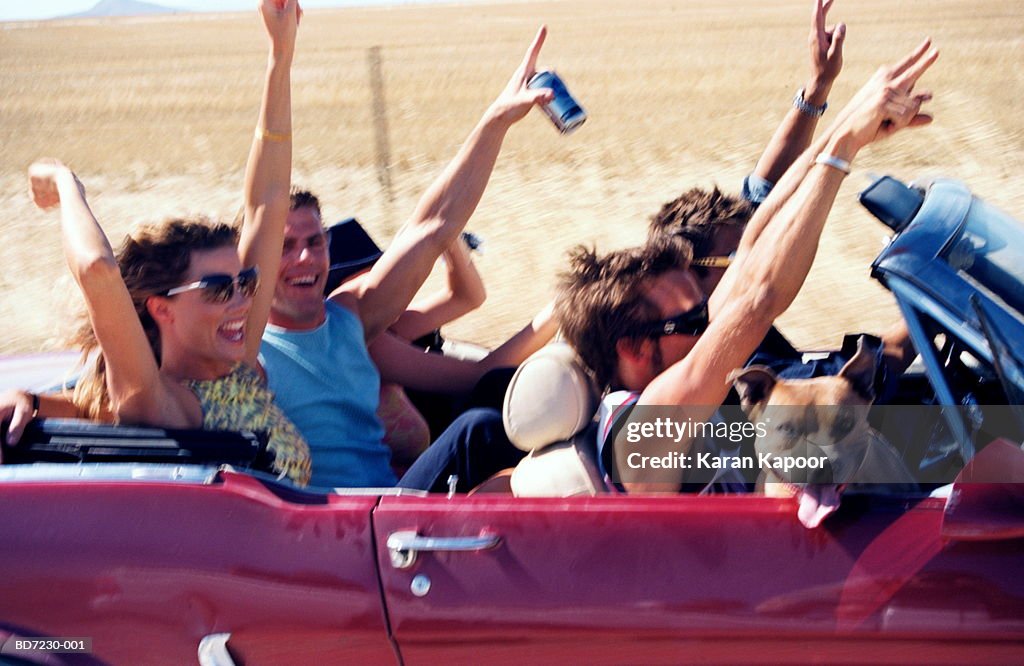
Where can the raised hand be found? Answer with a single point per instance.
(826, 45)
(43, 177)
(516, 100)
(887, 102)
(281, 19)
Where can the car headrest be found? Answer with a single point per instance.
(351, 250)
(551, 398)
(564, 469)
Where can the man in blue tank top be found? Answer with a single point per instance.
(315, 351)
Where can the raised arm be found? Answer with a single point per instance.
(268, 170)
(463, 292)
(444, 209)
(795, 175)
(136, 390)
(797, 128)
(766, 280)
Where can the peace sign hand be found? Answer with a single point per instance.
(887, 102)
(826, 45)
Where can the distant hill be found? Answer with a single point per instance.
(123, 8)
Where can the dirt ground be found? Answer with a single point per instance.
(155, 115)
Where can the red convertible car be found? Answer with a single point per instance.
(161, 562)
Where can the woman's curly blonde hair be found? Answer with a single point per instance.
(152, 259)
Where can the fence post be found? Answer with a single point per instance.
(380, 122)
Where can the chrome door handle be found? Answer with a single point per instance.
(403, 546)
(213, 651)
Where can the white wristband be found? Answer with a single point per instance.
(837, 163)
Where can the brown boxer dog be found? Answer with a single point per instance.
(814, 438)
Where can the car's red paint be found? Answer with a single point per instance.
(148, 569)
(672, 579)
(987, 503)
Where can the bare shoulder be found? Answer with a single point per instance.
(346, 298)
(183, 409)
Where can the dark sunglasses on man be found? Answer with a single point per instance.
(692, 322)
(220, 288)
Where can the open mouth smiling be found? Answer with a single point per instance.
(302, 281)
(232, 331)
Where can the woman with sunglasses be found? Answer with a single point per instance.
(176, 314)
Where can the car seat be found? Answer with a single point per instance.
(549, 412)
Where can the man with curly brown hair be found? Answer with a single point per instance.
(661, 340)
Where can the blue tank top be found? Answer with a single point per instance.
(326, 383)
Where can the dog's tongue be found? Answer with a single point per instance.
(817, 502)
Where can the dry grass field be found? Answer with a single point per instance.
(156, 115)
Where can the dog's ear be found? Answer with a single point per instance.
(754, 384)
(860, 370)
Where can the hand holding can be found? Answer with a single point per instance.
(563, 110)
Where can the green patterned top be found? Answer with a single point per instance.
(241, 401)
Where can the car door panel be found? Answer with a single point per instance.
(621, 579)
(148, 569)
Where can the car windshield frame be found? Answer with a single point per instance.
(925, 266)
(988, 252)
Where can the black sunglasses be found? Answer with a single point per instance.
(220, 288)
(692, 322)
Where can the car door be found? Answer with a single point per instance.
(149, 562)
(665, 580)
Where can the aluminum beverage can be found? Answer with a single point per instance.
(563, 110)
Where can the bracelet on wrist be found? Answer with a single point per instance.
(263, 133)
(35, 404)
(806, 108)
(836, 163)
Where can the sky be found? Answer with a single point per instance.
(18, 10)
